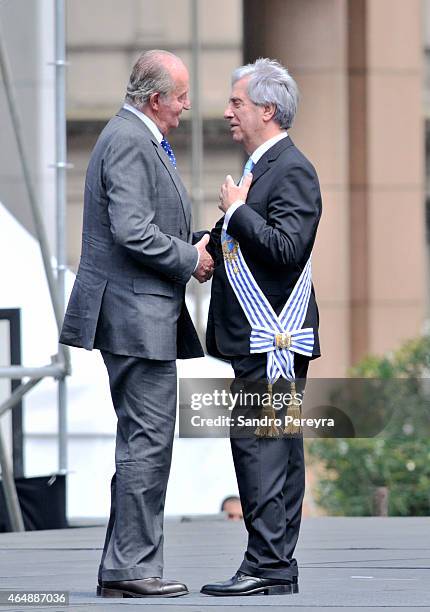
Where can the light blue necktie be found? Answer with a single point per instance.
(166, 146)
(247, 169)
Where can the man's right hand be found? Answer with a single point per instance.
(205, 267)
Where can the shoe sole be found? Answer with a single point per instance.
(277, 589)
(114, 593)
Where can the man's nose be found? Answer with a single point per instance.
(187, 104)
(228, 114)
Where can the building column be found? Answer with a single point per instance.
(358, 67)
(387, 231)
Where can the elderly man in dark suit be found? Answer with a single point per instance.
(128, 301)
(263, 315)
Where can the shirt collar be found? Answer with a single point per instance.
(263, 148)
(146, 120)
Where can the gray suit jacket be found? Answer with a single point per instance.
(128, 296)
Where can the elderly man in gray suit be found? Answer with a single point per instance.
(128, 301)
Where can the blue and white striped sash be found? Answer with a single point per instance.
(280, 336)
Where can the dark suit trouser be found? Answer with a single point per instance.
(144, 397)
(271, 478)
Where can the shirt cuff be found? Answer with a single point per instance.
(198, 259)
(230, 212)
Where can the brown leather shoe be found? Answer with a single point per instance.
(147, 587)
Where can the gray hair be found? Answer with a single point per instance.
(150, 75)
(271, 83)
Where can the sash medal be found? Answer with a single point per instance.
(280, 336)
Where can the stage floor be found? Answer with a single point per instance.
(345, 563)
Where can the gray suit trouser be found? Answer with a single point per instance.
(144, 397)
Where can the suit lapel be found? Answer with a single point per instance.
(162, 155)
(259, 169)
(185, 202)
(266, 160)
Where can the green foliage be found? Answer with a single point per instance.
(399, 457)
(412, 360)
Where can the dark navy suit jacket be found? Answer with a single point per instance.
(276, 230)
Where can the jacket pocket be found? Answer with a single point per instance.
(153, 286)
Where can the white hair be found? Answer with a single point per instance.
(150, 75)
(271, 83)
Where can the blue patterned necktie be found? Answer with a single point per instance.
(166, 146)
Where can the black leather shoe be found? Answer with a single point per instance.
(242, 584)
(147, 587)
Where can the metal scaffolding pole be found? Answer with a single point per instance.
(54, 370)
(9, 489)
(196, 141)
(18, 394)
(37, 217)
(60, 366)
(61, 169)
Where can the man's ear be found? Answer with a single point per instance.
(154, 101)
(269, 111)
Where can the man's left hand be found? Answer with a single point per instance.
(231, 193)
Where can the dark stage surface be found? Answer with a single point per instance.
(345, 564)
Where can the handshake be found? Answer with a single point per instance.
(205, 267)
